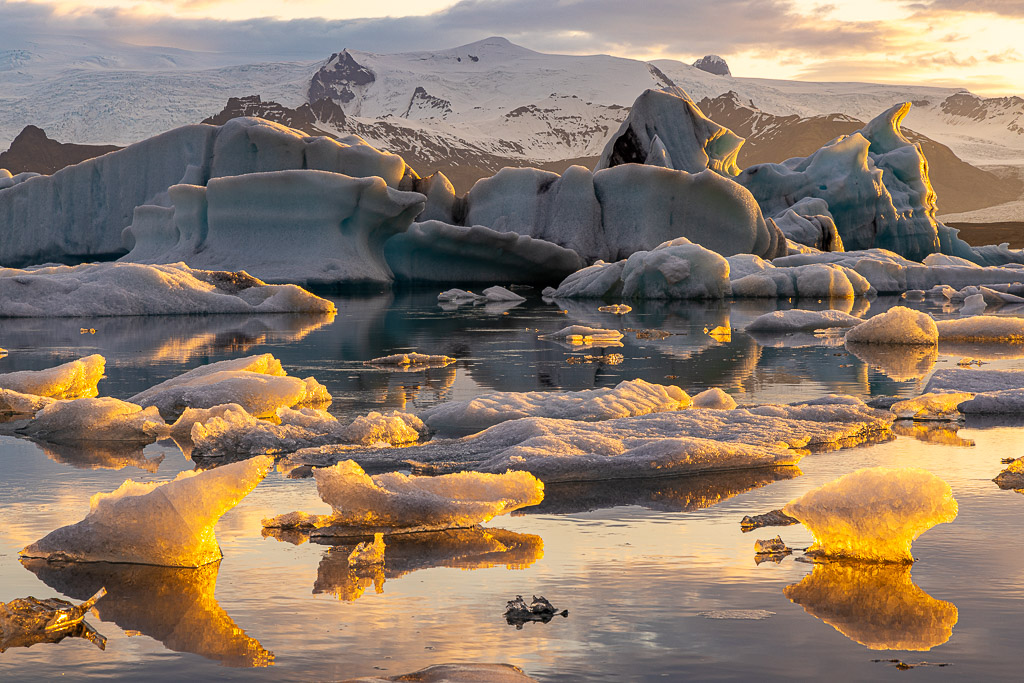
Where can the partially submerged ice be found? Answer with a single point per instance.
(102, 289)
(257, 383)
(162, 523)
(75, 379)
(412, 359)
(931, 406)
(874, 514)
(396, 503)
(878, 606)
(798, 320)
(582, 334)
(27, 621)
(626, 399)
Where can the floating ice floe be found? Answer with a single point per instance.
(102, 289)
(75, 379)
(931, 406)
(88, 420)
(399, 503)
(257, 383)
(898, 325)
(234, 432)
(162, 523)
(27, 621)
(878, 606)
(974, 305)
(581, 334)
(412, 360)
(626, 399)
(797, 320)
(982, 328)
(657, 445)
(615, 309)
(975, 381)
(16, 403)
(714, 399)
(677, 269)
(874, 514)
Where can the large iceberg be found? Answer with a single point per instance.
(79, 212)
(396, 502)
(101, 289)
(874, 514)
(75, 379)
(297, 226)
(626, 399)
(163, 523)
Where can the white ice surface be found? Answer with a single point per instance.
(898, 325)
(96, 419)
(74, 379)
(798, 320)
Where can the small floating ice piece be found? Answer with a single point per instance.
(898, 325)
(396, 502)
(931, 406)
(874, 514)
(878, 606)
(96, 419)
(1013, 476)
(161, 523)
(974, 305)
(772, 546)
(459, 296)
(772, 518)
(798, 320)
(615, 309)
(3, 352)
(497, 293)
(626, 399)
(581, 334)
(71, 380)
(714, 399)
(982, 328)
(412, 359)
(27, 621)
(104, 289)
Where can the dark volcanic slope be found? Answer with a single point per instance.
(771, 138)
(33, 151)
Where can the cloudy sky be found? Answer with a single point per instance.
(971, 43)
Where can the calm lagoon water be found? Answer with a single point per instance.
(647, 569)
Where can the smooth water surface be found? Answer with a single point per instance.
(658, 578)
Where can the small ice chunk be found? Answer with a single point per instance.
(368, 553)
(71, 380)
(771, 546)
(582, 334)
(615, 309)
(497, 293)
(3, 352)
(931, 406)
(399, 502)
(714, 399)
(412, 359)
(167, 523)
(874, 514)
(459, 296)
(96, 419)
(626, 399)
(898, 325)
(974, 305)
(798, 320)
(773, 518)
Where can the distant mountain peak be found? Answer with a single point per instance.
(713, 64)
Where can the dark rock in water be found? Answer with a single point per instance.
(713, 64)
(27, 621)
(773, 518)
(517, 612)
(33, 151)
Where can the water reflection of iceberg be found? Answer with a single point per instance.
(455, 673)
(900, 362)
(473, 548)
(941, 433)
(94, 455)
(675, 494)
(174, 606)
(876, 605)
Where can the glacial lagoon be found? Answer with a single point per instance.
(658, 578)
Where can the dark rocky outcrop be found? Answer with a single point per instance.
(33, 151)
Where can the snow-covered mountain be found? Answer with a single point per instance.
(482, 105)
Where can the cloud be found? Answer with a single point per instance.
(1007, 8)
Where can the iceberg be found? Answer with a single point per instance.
(898, 325)
(811, 281)
(873, 514)
(626, 399)
(88, 420)
(75, 379)
(305, 227)
(162, 523)
(16, 403)
(878, 606)
(797, 320)
(399, 503)
(102, 289)
(257, 383)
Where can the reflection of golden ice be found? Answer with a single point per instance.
(941, 433)
(175, 606)
(473, 548)
(446, 673)
(878, 606)
(239, 338)
(94, 455)
(900, 362)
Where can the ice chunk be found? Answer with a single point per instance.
(96, 419)
(497, 293)
(456, 673)
(71, 380)
(413, 359)
(976, 381)
(974, 305)
(874, 514)
(898, 325)
(101, 289)
(982, 328)
(396, 502)
(715, 399)
(27, 621)
(234, 432)
(812, 281)
(13, 402)
(628, 398)
(581, 334)
(878, 606)
(772, 550)
(257, 383)
(368, 553)
(797, 320)
(931, 406)
(772, 518)
(1013, 476)
(615, 309)
(175, 606)
(1007, 402)
(162, 523)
